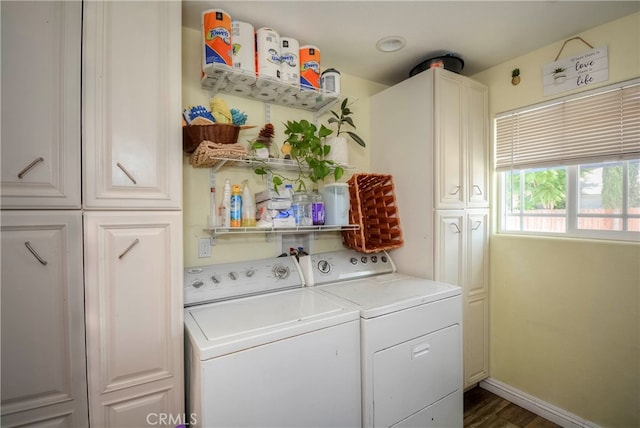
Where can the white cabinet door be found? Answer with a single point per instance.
(477, 145)
(476, 297)
(476, 340)
(133, 282)
(450, 131)
(449, 246)
(41, 104)
(477, 259)
(132, 136)
(43, 349)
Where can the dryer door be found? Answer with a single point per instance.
(412, 375)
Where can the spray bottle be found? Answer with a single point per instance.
(224, 211)
(248, 206)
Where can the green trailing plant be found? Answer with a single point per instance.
(308, 152)
(344, 117)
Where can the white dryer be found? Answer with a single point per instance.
(267, 352)
(411, 338)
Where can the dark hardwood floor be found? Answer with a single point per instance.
(483, 409)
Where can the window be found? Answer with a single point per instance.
(572, 166)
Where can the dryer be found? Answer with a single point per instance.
(411, 338)
(262, 351)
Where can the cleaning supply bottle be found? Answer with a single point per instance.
(212, 219)
(248, 206)
(317, 207)
(224, 213)
(235, 215)
(302, 209)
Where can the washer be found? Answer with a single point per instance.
(411, 338)
(266, 352)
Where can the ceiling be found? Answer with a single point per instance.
(483, 33)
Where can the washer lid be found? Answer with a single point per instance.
(384, 294)
(233, 325)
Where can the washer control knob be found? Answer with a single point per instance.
(354, 261)
(250, 273)
(215, 279)
(384, 259)
(324, 266)
(374, 259)
(280, 271)
(233, 275)
(197, 284)
(363, 259)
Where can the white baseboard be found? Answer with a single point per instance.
(535, 405)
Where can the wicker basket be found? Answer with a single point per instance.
(374, 208)
(221, 133)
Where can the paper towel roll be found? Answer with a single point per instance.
(216, 38)
(244, 48)
(268, 52)
(290, 60)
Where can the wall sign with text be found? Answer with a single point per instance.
(577, 71)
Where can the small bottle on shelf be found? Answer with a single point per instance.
(317, 207)
(235, 213)
(302, 209)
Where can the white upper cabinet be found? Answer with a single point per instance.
(41, 45)
(461, 142)
(132, 136)
(477, 145)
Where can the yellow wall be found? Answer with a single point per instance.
(565, 313)
(196, 181)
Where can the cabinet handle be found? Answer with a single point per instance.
(127, 173)
(29, 167)
(35, 254)
(456, 226)
(133, 244)
(456, 190)
(476, 225)
(475, 186)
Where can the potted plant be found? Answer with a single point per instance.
(515, 76)
(559, 75)
(305, 145)
(339, 152)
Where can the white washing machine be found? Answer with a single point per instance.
(266, 352)
(411, 338)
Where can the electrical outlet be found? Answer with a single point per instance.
(204, 247)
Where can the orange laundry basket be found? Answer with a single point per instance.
(374, 209)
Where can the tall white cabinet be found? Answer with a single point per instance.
(132, 158)
(431, 133)
(91, 245)
(43, 331)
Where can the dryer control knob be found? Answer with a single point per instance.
(250, 273)
(280, 271)
(353, 261)
(233, 275)
(324, 266)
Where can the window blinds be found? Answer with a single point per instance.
(582, 129)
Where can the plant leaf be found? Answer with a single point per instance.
(338, 173)
(356, 138)
(349, 121)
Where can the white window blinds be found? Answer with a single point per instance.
(582, 129)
